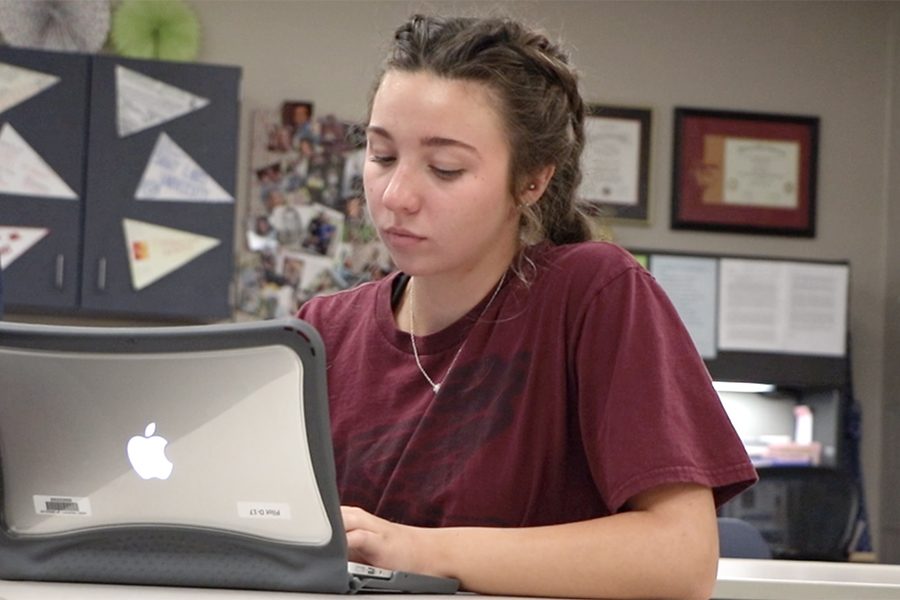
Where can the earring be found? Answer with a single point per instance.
(532, 187)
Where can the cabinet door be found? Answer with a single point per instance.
(42, 159)
(161, 195)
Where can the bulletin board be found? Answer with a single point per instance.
(306, 231)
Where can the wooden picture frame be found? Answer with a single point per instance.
(615, 163)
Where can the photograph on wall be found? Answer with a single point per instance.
(307, 231)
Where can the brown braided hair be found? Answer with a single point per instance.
(539, 101)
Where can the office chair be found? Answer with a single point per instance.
(804, 513)
(740, 539)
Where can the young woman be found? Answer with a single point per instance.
(518, 407)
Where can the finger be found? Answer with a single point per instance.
(360, 540)
(363, 546)
(357, 518)
(352, 516)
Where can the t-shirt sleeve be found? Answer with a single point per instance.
(648, 413)
(306, 311)
(311, 312)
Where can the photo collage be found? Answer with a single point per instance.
(307, 231)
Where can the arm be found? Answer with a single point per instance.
(664, 547)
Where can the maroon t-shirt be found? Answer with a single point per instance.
(571, 395)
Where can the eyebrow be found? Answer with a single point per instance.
(430, 141)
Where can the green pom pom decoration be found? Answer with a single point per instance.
(160, 29)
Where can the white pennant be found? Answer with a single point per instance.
(155, 251)
(18, 84)
(16, 241)
(23, 172)
(171, 174)
(143, 102)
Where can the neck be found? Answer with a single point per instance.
(440, 302)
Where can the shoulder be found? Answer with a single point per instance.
(346, 305)
(586, 265)
(577, 280)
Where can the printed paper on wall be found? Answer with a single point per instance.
(780, 306)
(143, 102)
(24, 173)
(691, 283)
(171, 174)
(155, 251)
(18, 84)
(16, 241)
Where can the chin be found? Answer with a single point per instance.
(415, 266)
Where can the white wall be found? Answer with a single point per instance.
(830, 59)
(890, 523)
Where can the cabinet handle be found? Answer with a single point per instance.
(59, 278)
(101, 274)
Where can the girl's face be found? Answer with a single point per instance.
(437, 176)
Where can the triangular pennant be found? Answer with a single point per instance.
(143, 102)
(16, 241)
(155, 251)
(24, 173)
(171, 174)
(18, 84)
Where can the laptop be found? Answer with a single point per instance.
(187, 456)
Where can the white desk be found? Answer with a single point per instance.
(744, 579)
(739, 579)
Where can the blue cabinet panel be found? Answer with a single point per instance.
(115, 168)
(82, 264)
(53, 123)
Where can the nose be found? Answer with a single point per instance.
(401, 194)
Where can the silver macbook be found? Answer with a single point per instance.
(195, 456)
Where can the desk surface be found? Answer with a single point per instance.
(745, 579)
(739, 579)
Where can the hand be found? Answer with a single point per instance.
(380, 543)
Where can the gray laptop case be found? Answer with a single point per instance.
(190, 456)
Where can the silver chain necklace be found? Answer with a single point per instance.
(436, 387)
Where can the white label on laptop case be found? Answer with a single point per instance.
(69, 506)
(264, 510)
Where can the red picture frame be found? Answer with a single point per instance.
(744, 172)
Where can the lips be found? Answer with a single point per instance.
(400, 236)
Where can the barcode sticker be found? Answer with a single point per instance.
(264, 510)
(69, 506)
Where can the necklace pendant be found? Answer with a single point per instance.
(436, 387)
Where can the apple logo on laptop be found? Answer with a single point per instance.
(147, 454)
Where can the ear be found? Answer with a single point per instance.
(536, 184)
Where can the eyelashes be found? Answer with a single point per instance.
(444, 174)
(447, 174)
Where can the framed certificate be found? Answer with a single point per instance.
(744, 172)
(615, 162)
